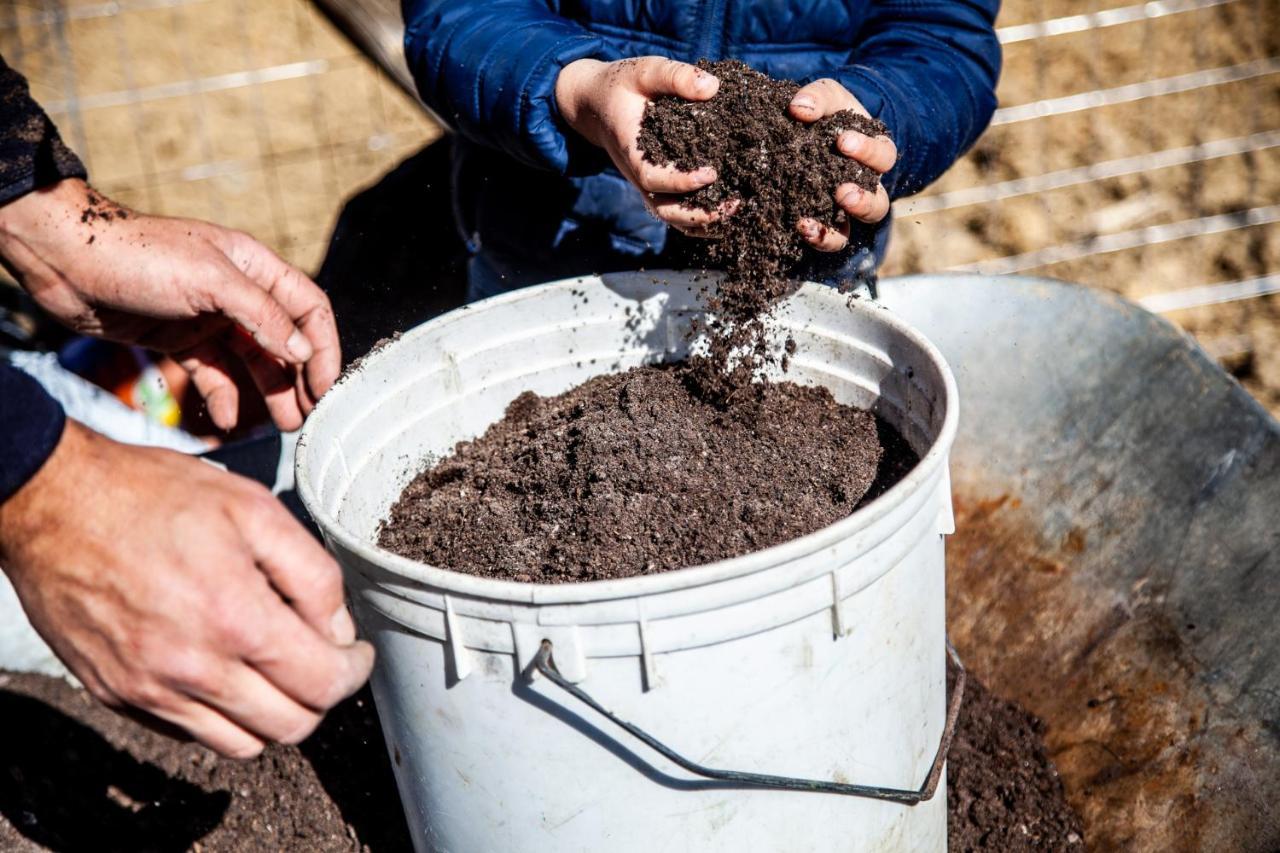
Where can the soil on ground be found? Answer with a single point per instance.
(778, 171)
(1004, 792)
(75, 776)
(633, 474)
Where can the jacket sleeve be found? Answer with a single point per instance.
(31, 424)
(928, 70)
(488, 69)
(31, 152)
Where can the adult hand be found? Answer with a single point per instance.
(604, 103)
(817, 100)
(173, 588)
(204, 294)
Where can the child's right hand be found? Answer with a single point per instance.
(604, 103)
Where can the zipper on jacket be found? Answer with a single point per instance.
(711, 39)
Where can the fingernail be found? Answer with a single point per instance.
(706, 174)
(341, 628)
(851, 142)
(298, 346)
(804, 102)
(704, 83)
(808, 228)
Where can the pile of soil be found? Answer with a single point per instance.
(1003, 791)
(634, 473)
(780, 171)
(75, 776)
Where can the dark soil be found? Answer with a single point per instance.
(780, 170)
(632, 474)
(1003, 791)
(76, 777)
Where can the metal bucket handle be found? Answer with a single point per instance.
(544, 663)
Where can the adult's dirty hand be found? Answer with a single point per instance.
(172, 588)
(206, 295)
(822, 98)
(604, 103)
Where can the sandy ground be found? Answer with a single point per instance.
(290, 120)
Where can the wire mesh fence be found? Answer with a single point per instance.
(259, 115)
(1136, 148)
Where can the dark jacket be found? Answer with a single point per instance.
(31, 156)
(927, 68)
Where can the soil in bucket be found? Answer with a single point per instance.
(635, 473)
(666, 467)
(75, 775)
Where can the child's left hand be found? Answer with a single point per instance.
(822, 98)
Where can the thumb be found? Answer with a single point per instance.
(253, 309)
(669, 77)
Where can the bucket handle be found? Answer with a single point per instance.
(544, 663)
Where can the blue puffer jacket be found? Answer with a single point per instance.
(538, 201)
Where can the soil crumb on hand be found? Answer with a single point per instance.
(1003, 791)
(779, 171)
(633, 474)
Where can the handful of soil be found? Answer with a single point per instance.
(632, 474)
(781, 170)
(665, 467)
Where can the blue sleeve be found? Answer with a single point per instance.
(31, 423)
(928, 70)
(488, 69)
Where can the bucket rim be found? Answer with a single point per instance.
(458, 583)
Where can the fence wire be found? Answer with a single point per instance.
(1037, 119)
(45, 38)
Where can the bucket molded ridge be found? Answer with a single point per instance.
(821, 657)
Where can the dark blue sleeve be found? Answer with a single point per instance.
(31, 152)
(488, 69)
(928, 70)
(31, 423)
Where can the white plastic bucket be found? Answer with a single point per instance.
(820, 658)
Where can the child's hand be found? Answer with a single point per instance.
(822, 98)
(604, 102)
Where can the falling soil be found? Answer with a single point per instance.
(76, 777)
(632, 474)
(1003, 791)
(778, 171)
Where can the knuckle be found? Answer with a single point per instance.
(189, 670)
(235, 628)
(255, 503)
(328, 583)
(141, 692)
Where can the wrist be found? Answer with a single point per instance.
(39, 506)
(50, 225)
(573, 85)
(51, 206)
